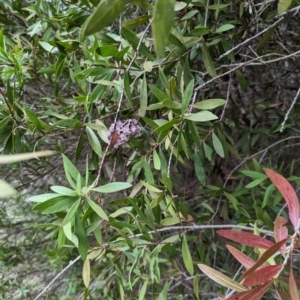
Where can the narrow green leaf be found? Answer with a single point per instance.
(209, 103)
(86, 273)
(164, 293)
(200, 173)
(134, 41)
(224, 27)
(167, 181)
(254, 174)
(187, 96)
(65, 203)
(208, 151)
(94, 142)
(186, 255)
(254, 183)
(163, 16)
(105, 13)
(81, 235)
(143, 97)
(170, 221)
(267, 195)
(160, 95)
(156, 160)
(97, 209)
(217, 145)
(71, 212)
(112, 187)
(202, 116)
(63, 190)
(208, 61)
(143, 290)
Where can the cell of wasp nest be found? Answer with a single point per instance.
(120, 132)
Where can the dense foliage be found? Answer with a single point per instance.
(211, 89)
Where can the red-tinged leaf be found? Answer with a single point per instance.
(256, 293)
(280, 231)
(246, 238)
(221, 278)
(287, 192)
(242, 258)
(265, 256)
(292, 284)
(262, 275)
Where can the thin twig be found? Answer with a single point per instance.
(289, 111)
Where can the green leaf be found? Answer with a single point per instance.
(94, 142)
(200, 173)
(160, 95)
(254, 183)
(224, 27)
(202, 116)
(283, 5)
(63, 190)
(134, 41)
(86, 273)
(208, 61)
(112, 187)
(156, 160)
(170, 221)
(81, 235)
(162, 23)
(187, 96)
(143, 97)
(254, 174)
(6, 190)
(209, 103)
(217, 145)
(71, 212)
(70, 171)
(62, 205)
(97, 209)
(186, 255)
(105, 13)
(208, 151)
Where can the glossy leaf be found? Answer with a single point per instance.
(81, 235)
(208, 61)
(105, 13)
(265, 256)
(242, 258)
(262, 275)
(86, 273)
(209, 104)
(288, 193)
(222, 279)
(113, 187)
(187, 96)
(280, 231)
(94, 142)
(217, 145)
(97, 209)
(256, 293)
(143, 97)
(186, 255)
(162, 23)
(246, 238)
(202, 116)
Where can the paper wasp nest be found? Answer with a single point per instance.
(120, 132)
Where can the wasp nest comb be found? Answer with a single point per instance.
(120, 132)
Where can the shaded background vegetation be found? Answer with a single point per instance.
(60, 92)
